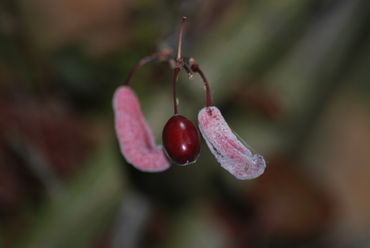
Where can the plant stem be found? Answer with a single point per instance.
(195, 68)
(174, 80)
(181, 32)
(140, 64)
(179, 63)
(159, 56)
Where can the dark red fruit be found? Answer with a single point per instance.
(181, 140)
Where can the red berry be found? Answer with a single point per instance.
(181, 140)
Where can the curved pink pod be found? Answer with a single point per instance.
(231, 153)
(134, 135)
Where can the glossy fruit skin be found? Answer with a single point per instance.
(181, 140)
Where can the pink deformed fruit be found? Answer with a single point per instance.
(230, 152)
(134, 135)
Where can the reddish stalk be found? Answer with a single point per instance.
(179, 63)
(159, 56)
(195, 68)
(181, 32)
(174, 80)
(140, 64)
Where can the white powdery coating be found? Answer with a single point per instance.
(232, 154)
(134, 135)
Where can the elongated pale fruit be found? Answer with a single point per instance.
(231, 153)
(134, 135)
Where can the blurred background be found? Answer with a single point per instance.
(292, 78)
